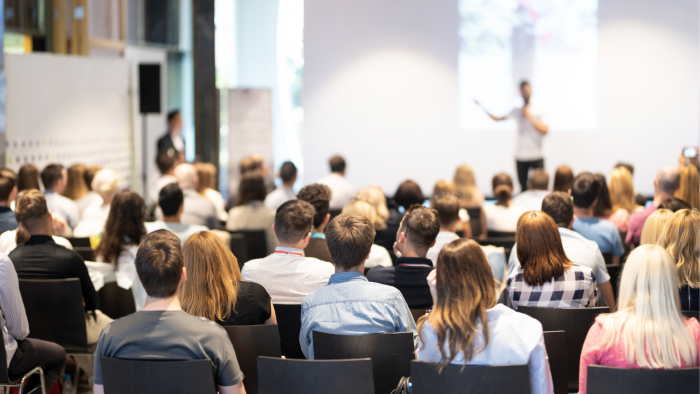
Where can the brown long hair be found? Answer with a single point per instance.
(563, 179)
(690, 186)
(465, 291)
(76, 187)
(540, 250)
(28, 177)
(211, 288)
(206, 172)
(124, 225)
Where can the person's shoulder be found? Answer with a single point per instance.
(380, 274)
(253, 288)
(523, 329)
(319, 264)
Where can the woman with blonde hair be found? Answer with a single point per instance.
(680, 238)
(214, 289)
(464, 296)
(648, 330)
(206, 172)
(471, 199)
(621, 189)
(75, 186)
(92, 220)
(378, 255)
(654, 225)
(376, 198)
(690, 186)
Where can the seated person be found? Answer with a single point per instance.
(198, 210)
(90, 197)
(407, 195)
(40, 258)
(349, 304)
(378, 255)
(447, 208)
(585, 194)
(54, 178)
(206, 173)
(284, 193)
(251, 214)
(161, 330)
(666, 183)
(8, 193)
(503, 215)
(465, 296)
(342, 189)
(93, 219)
(214, 289)
(648, 285)
(171, 203)
(419, 228)
(287, 274)
(547, 278)
(537, 185)
(653, 226)
(578, 249)
(680, 238)
(318, 195)
(166, 162)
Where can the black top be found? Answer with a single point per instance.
(387, 237)
(409, 279)
(42, 258)
(7, 220)
(252, 306)
(165, 143)
(690, 298)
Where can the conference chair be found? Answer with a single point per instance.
(500, 234)
(475, 220)
(289, 323)
(6, 381)
(555, 343)
(248, 245)
(607, 257)
(282, 376)
(506, 243)
(470, 379)
(609, 380)
(391, 354)
(615, 272)
(116, 302)
(575, 322)
(335, 212)
(251, 342)
(83, 248)
(121, 376)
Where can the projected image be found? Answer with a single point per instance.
(551, 43)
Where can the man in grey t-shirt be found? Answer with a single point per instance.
(162, 330)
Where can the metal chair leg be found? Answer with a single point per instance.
(42, 382)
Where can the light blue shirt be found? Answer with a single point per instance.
(62, 207)
(603, 232)
(351, 305)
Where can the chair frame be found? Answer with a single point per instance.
(20, 383)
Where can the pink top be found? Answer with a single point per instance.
(594, 354)
(636, 223)
(621, 219)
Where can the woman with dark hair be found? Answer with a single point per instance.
(251, 213)
(28, 178)
(464, 296)
(503, 215)
(120, 241)
(563, 179)
(547, 278)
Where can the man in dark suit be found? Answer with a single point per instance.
(172, 141)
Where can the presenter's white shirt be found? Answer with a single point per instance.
(341, 189)
(528, 146)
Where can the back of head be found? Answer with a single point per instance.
(206, 173)
(539, 248)
(349, 237)
(8, 181)
(337, 164)
(170, 199)
(559, 207)
(90, 173)
(465, 184)
(106, 183)
(50, 175)
(563, 178)
(166, 161)
(362, 208)
(502, 185)
(444, 188)
(603, 205)
(288, 172)
(689, 190)
(421, 226)
(408, 194)
(585, 190)
(318, 195)
(668, 179)
(539, 180)
(124, 225)
(627, 166)
(251, 188)
(653, 226)
(447, 208)
(28, 177)
(293, 221)
(250, 164)
(159, 263)
(76, 187)
(680, 238)
(186, 176)
(211, 288)
(375, 197)
(673, 204)
(31, 210)
(621, 189)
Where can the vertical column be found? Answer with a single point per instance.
(206, 110)
(79, 28)
(58, 27)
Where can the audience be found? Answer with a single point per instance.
(214, 288)
(654, 225)
(548, 278)
(638, 198)
(447, 208)
(27, 178)
(537, 189)
(287, 274)
(319, 196)
(563, 179)
(417, 233)
(342, 190)
(41, 258)
(503, 215)
(93, 218)
(621, 188)
(91, 197)
(8, 193)
(407, 195)
(171, 203)
(689, 190)
(648, 330)
(378, 255)
(603, 206)
(166, 162)
(376, 198)
(54, 178)
(251, 213)
(197, 210)
(666, 183)
(447, 188)
(471, 199)
(206, 173)
(75, 186)
(674, 205)
(586, 193)
(122, 233)
(284, 193)
(464, 297)
(161, 330)
(349, 304)
(680, 238)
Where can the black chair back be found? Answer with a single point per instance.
(289, 323)
(116, 302)
(55, 312)
(335, 212)
(689, 314)
(608, 258)
(475, 220)
(575, 322)
(251, 342)
(248, 245)
(391, 354)
(83, 242)
(500, 234)
(83, 248)
(470, 379)
(121, 376)
(615, 272)
(555, 343)
(608, 380)
(280, 376)
(505, 243)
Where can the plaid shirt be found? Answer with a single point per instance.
(576, 288)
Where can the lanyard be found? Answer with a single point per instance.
(283, 252)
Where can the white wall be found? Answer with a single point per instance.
(380, 88)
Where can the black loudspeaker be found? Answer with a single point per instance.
(149, 88)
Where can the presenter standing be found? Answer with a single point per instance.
(172, 142)
(532, 127)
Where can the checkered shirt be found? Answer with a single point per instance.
(576, 288)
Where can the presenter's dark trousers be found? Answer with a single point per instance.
(33, 353)
(524, 167)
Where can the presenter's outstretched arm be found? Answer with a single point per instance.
(541, 128)
(494, 117)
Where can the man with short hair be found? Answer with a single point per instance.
(166, 166)
(585, 194)
(287, 274)
(350, 304)
(447, 208)
(319, 196)
(537, 189)
(171, 203)
(54, 178)
(197, 209)
(162, 330)
(8, 192)
(417, 233)
(666, 183)
(342, 189)
(578, 249)
(284, 193)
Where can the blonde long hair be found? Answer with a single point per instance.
(648, 320)
(654, 225)
(690, 186)
(376, 198)
(363, 208)
(680, 238)
(465, 184)
(621, 187)
(213, 277)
